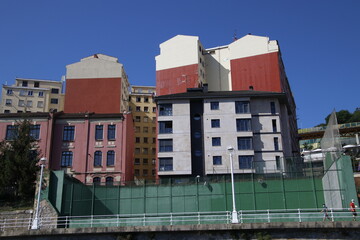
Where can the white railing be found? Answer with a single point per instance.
(190, 218)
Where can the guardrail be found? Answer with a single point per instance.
(148, 219)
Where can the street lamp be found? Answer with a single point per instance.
(35, 223)
(234, 216)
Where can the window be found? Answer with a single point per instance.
(137, 150)
(217, 160)
(137, 161)
(24, 83)
(145, 161)
(243, 125)
(110, 158)
(99, 132)
(272, 107)
(244, 143)
(138, 99)
(145, 172)
(153, 161)
(245, 162)
(96, 180)
(146, 109)
(29, 103)
(40, 104)
(21, 103)
(145, 140)
(137, 140)
(216, 141)
(242, 107)
(109, 181)
(165, 145)
(111, 132)
(136, 172)
(276, 144)
(274, 125)
(137, 129)
(22, 93)
(146, 119)
(278, 164)
(154, 120)
(66, 159)
(153, 172)
(165, 164)
(9, 92)
(69, 132)
(36, 84)
(8, 102)
(215, 123)
(11, 132)
(146, 99)
(153, 140)
(6, 111)
(154, 109)
(55, 90)
(145, 129)
(145, 151)
(35, 131)
(54, 101)
(138, 109)
(165, 127)
(154, 130)
(30, 93)
(214, 105)
(41, 94)
(165, 109)
(97, 158)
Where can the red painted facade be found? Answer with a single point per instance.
(99, 95)
(262, 72)
(177, 80)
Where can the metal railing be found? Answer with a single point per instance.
(190, 218)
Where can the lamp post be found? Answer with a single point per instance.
(234, 216)
(35, 223)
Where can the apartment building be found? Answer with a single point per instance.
(143, 108)
(97, 83)
(196, 128)
(32, 95)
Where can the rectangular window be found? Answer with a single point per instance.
(154, 109)
(242, 107)
(245, 162)
(215, 123)
(110, 158)
(145, 140)
(136, 172)
(22, 93)
(40, 104)
(145, 172)
(165, 127)
(35, 131)
(36, 84)
(153, 151)
(216, 141)
(137, 161)
(11, 132)
(99, 132)
(165, 164)
(153, 172)
(165, 145)
(153, 161)
(214, 105)
(111, 134)
(41, 94)
(138, 109)
(243, 125)
(146, 99)
(66, 159)
(29, 103)
(30, 93)
(137, 140)
(137, 129)
(153, 140)
(138, 99)
(97, 158)
(146, 109)
(274, 125)
(146, 119)
(278, 164)
(8, 102)
(137, 150)
(244, 143)
(154, 120)
(54, 101)
(145, 129)
(69, 132)
(145, 161)
(272, 107)
(165, 109)
(21, 103)
(145, 151)
(217, 160)
(153, 129)
(55, 90)
(137, 118)
(9, 92)
(24, 83)
(276, 144)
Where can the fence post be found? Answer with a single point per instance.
(198, 217)
(241, 216)
(66, 221)
(144, 220)
(332, 214)
(117, 220)
(91, 222)
(299, 215)
(268, 213)
(171, 220)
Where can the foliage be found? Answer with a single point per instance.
(343, 116)
(18, 159)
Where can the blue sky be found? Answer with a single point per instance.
(319, 40)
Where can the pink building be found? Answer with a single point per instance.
(90, 147)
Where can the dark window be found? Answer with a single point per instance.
(136, 172)
(145, 140)
(36, 84)
(215, 123)
(137, 161)
(278, 164)
(111, 132)
(138, 99)
(137, 140)
(137, 118)
(242, 107)
(9, 92)
(11, 132)
(272, 107)
(97, 158)
(217, 160)
(35, 131)
(214, 105)
(146, 109)
(276, 143)
(165, 164)
(154, 109)
(6, 111)
(245, 162)
(109, 181)
(216, 141)
(274, 125)
(243, 125)
(165, 109)
(165, 127)
(110, 158)
(165, 145)
(245, 143)
(145, 172)
(145, 161)
(30, 93)
(54, 101)
(66, 159)
(96, 181)
(24, 83)
(55, 90)
(138, 109)
(137, 150)
(146, 99)
(99, 132)
(69, 132)
(41, 94)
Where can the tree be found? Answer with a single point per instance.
(18, 164)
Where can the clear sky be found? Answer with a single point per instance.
(319, 40)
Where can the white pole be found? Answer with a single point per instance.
(234, 218)
(35, 223)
